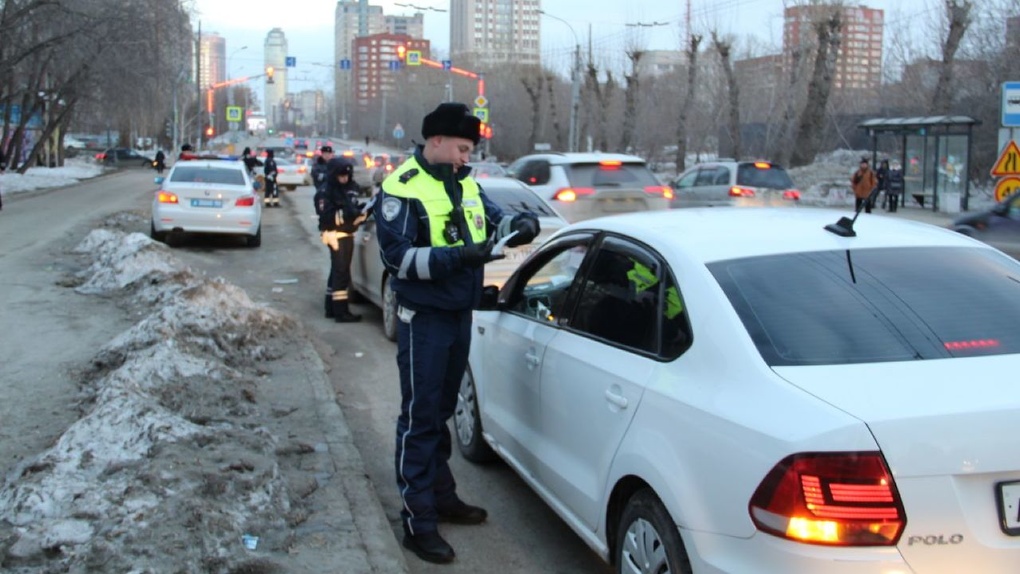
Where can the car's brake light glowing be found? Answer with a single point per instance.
(737, 191)
(568, 194)
(844, 499)
(610, 164)
(762, 164)
(302, 169)
(970, 345)
(246, 201)
(792, 195)
(348, 153)
(663, 190)
(166, 197)
(389, 167)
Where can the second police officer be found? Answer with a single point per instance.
(319, 200)
(269, 170)
(339, 218)
(436, 228)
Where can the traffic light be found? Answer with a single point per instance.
(269, 74)
(401, 52)
(485, 130)
(209, 131)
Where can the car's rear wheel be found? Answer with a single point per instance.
(468, 423)
(156, 235)
(255, 240)
(647, 538)
(291, 187)
(389, 311)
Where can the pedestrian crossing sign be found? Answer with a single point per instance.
(482, 114)
(234, 113)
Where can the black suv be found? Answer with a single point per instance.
(123, 157)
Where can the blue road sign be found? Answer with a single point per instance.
(447, 64)
(291, 61)
(1010, 104)
(345, 64)
(394, 64)
(398, 132)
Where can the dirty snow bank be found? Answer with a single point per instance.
(165, 470)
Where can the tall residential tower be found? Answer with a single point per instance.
(492, 32)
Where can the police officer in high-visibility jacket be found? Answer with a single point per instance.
(436, 231)
(339, 218)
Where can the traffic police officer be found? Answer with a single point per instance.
(269, 170)
(319, 199)
(436, 230)
(340, 217)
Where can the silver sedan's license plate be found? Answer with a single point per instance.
(1008, 495)
(206, 203)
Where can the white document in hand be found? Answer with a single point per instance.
(497, 249)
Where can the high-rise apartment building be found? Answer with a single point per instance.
(275, 53)
(495, 31)
(413, 26)
(353, 18)
(377, 64)
(859, 53)
(212, 55)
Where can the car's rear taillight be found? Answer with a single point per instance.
(302, 169)
(246, 201)
(166, 197)
(843, 499)
(569, 194)
(663, 190)
(610, 164)
(792, 195)
(738, 191)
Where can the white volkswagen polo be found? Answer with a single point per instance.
(207, 195)
(746, 391)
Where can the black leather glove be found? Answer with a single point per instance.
(527, 228)
(478, 254)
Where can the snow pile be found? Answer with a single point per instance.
(74, 170)
(166, 466)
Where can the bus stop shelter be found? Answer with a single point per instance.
(935, 154)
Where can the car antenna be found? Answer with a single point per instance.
(845, 226)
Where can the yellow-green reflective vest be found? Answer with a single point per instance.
(644, 278)
(432, 195)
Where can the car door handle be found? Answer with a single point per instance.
(618, 400)
(531, 358)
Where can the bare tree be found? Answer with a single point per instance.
(533, 86)
(603, 95)
(630, 111)
(958, 14)
(812, 118)
(682, 129)
(550, 86)
(723, 48)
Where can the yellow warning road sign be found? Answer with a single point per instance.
(1009, 161)
(1006, 187)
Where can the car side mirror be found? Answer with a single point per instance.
(490, 298)
(158, 180)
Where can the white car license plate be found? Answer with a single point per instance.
(1009, 507)
(206, 203)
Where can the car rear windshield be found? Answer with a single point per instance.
(598, 175)
(875, 305)
(516, 200)
(203, 174)
(772, 177)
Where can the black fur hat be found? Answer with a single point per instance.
(339, 166)
(451, 119)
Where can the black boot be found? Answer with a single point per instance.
(342, 314)
(429, 546)
(329, 305)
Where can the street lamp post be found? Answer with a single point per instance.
(575, 87)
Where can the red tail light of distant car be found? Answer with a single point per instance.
(738, 191)
(166, 197)
(663, 190)
(568, 194)
(792, 195)
(840, 499)
(246, 201)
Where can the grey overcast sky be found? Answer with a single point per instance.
(308, 26)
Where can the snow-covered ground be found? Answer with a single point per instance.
(74, 170)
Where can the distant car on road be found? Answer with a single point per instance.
(736, 184)
(585, 185)
(123, 157)
(998, 226)
(213, 196)
(486, 169)
(370, 280)
(292, 173)
(742, 390)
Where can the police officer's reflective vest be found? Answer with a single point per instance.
(644, 278)
(438, 207)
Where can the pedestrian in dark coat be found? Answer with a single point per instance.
(895, 187)
(269, 170)
(250, 161)
(3, 168)
(319, 172)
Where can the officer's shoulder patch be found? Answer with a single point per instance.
(407, 175)
(390, 208)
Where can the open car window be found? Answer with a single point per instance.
(541, 290)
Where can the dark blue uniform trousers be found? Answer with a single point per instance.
(432, 353)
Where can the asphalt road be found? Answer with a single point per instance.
(287, 272)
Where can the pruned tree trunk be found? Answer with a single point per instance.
(958, 12)
(630, 101)
(550, 85)
(602, 97)
(812, 118)
(685, 108)
(533, 86)
(724, 48)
